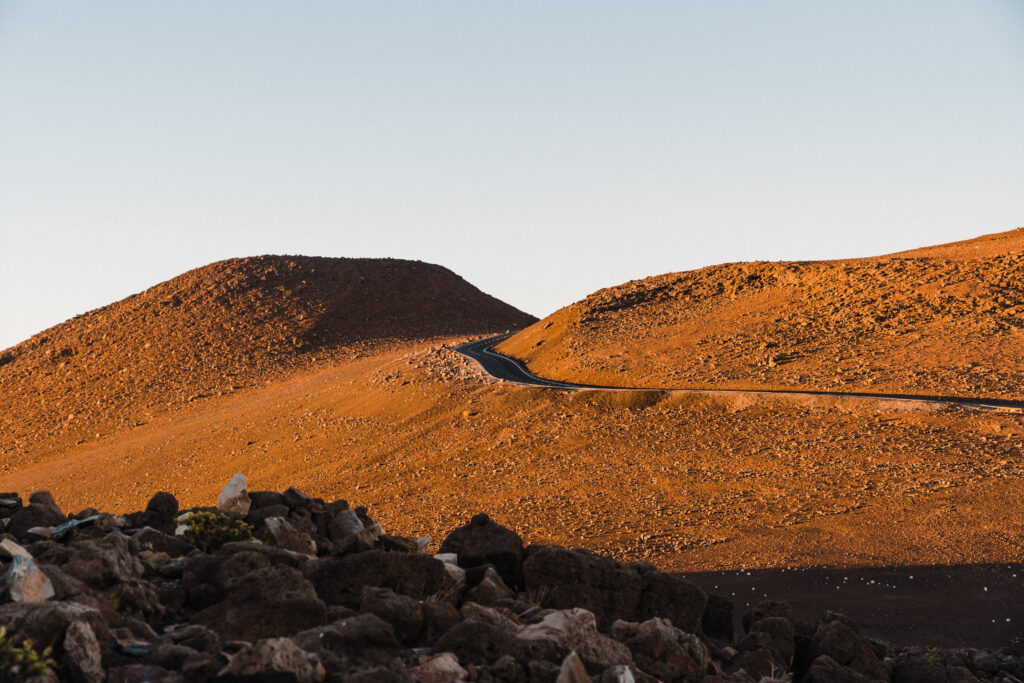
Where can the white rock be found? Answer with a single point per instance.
(234, 499)
(27, 582)
(572, 670)
(450, 561)
(576, 629)
(443, 668)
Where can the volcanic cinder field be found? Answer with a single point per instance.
(340, 377)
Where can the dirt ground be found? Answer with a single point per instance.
(687, 482)
(943, 321)
(705, 485)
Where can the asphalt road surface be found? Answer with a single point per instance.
(510, 370)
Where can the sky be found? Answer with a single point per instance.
(540, 149)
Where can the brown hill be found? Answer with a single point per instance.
(943, 320)
(221, 327)
(687, 482)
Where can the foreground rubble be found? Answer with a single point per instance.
(322, 593)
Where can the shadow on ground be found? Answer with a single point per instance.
(942, 606)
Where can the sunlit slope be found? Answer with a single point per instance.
(945, 320)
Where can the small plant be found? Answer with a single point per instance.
(777, 676)
(541, 596)
(210, 530)
(22, 663)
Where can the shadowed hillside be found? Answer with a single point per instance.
(215, 329)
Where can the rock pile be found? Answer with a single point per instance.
(322, 593)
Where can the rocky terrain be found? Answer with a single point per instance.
(286, 587)
(217, 329)
(945, 320)
(879, 510)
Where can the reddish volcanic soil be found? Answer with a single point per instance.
(686, 482)
(319, 387)
(946, 320)
(217, 329)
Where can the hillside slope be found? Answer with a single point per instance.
(943, 320)
(215, 329)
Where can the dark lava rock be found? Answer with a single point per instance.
(264, 602)
(483, 541)
(671, 597)
(824, 669)
(838, 640)
(717, 619)
(340, 580)
(174, 546)
(662, 650)
(405, 614)
(45, 623)
(478, 641)
(567, 578)
(33, 515)
(161, 513)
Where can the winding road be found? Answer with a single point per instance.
(511, 370)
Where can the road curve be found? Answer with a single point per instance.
(510, 370)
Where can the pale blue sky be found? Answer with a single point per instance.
(542, 150)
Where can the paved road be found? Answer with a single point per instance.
(511, 370)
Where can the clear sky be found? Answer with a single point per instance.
(542, 150)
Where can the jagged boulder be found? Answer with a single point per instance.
(261, 600)
(571, 630)
(276, 659)
(340, 580)
(837, 639)
(32, 516)
(568, 579)
(483, 541)
(662, 650)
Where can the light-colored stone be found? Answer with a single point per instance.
(576, 629)
(572, 670)
(283, 535)
(443, 668)
(451, 565)
(345, 523)
(83, 652)
(9, 548)
(27, 582)
(617, 674)
(234, 499)
(271, 656)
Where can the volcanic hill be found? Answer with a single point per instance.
(946, 320)
(410, 427)
(224, 326)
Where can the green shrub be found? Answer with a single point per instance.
(21, 663)
(210, 530)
